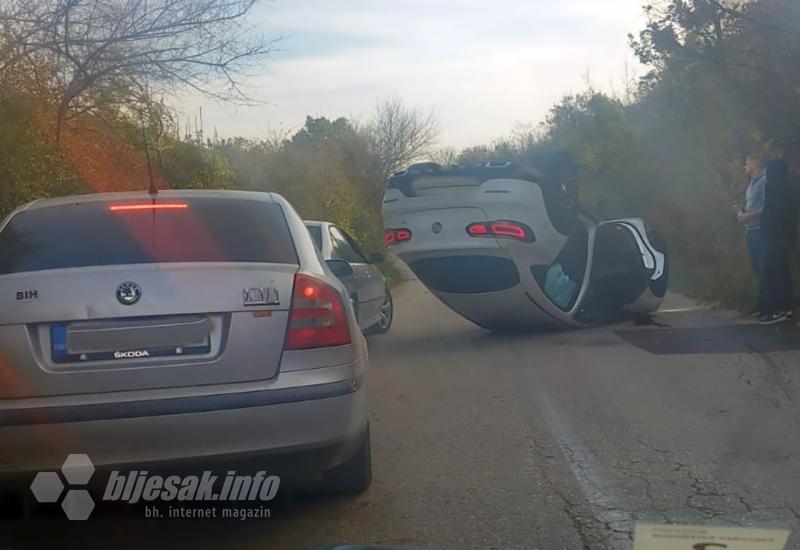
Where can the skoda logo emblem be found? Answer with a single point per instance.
(128, 293)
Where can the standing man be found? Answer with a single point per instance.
(779, 232)
(750, 216)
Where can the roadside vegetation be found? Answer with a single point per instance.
(81, 110)
(722, 81)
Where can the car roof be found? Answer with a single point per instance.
(144, 195)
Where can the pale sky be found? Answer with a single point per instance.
(482, 66)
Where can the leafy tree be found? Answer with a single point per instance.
(326, 170)
(30, 166)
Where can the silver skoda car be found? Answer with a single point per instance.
(142, 328)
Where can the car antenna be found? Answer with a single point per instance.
(152, 189)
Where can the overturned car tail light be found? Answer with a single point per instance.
(478, 229)
(317, 318)
(394, 236)
(501, 230)
(512, 230)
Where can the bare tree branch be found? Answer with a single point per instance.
(400, 134)
(205, 45)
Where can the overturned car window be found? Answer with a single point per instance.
(563, 279)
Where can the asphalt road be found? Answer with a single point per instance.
(556, 440)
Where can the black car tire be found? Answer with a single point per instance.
(383, 326)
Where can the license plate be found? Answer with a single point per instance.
(60, 353)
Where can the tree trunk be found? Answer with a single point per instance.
(60, 115)
(70, 93)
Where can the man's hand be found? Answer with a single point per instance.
(745, 217)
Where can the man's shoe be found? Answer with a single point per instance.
(775, 318)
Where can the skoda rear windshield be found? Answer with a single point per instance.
(100, 233)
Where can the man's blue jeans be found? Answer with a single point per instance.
(755, 246)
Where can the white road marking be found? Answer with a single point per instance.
(588, 473)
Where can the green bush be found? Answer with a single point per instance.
(31, 167)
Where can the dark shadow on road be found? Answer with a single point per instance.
(717, 339)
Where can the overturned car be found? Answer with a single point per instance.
(508, 247)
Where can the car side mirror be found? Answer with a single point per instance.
(375, 258)
(340, 268)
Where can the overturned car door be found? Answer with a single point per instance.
(627, 273)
